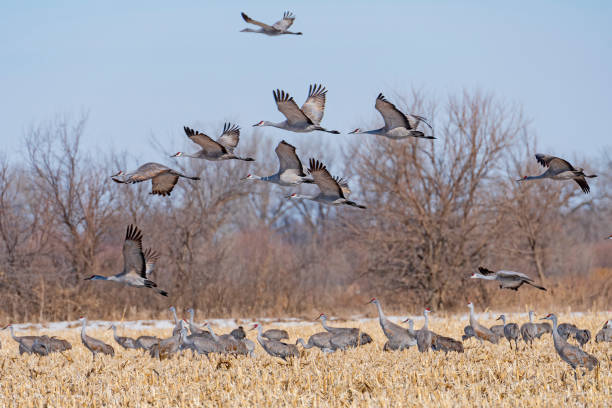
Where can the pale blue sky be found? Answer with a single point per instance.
(149, 67)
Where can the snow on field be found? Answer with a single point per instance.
(141, 325)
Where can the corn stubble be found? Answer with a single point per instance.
(482, 376)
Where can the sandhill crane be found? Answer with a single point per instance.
(163, 178)
(397, 125)
(276, 334)
(498, 329)
(399, 338)
(94, 345)
(507, 279)
(201, 344)
(146, 342)
(290, 171)
(321, 340)
(468, 332)
(560, 169)
(178, 324)
(427, 339)
(481, 332)
(195, 329)
(151, 257)
(54, 344)
(511, 331)
(240, 334)
(605, 334)
(582, 336)
(446, 344)
(125, 342)
(304, 120)
(529, 330)
(572, 355)
(165, 348)
(349, 339)
(275, 348)
(25, 342)
(222, 149)
(334, 330)
(333, 191)
(227, 343)
(134, 268)
(278, 28)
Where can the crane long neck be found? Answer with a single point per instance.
(13, 333)
(212, 333)
(503, 319)
(303, 343)
(83, 328)
(472, 316)
(115, 332)
(324, 323)
(191, 313)
(381, 315)
(487, 277)
(530, 317)
(174, 314)
(260, 338)
(426, 324)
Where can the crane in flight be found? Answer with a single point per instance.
(279, 28)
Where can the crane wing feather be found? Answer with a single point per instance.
(326, 183)
(257, 23)
(392, 116)
(209, 146)
(285, 23)
(287, 106)
(288, 159)
(230, 136)
(314, 107)
(164, 183)
(133, 257)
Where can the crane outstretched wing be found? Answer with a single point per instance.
(164, 183)
(145, 172)
(287, 106)
(285, 23)
(151, 257)
(314, 107)
(392, 116)
(230, 136)
(257, 23)
(485, 271)
(133, 258)
(514, 275)
(209, 146)
(326, 183)
(288, 159)
(584, 186)
(554, 163)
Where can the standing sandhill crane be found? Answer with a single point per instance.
(290, 171)
(195, 330)
(507, 279)
(170, 346)
(605, 334)
(94, 345)
(227, 343)
(399, 338)
(333, 191)
(25, 342)
(572, 355)
(321, 340)
(54, 344)
(481, 332)
(276, 334)
(278, 28)
(222, 149)
(566, 330)
(240, 334)
(134, 268)
(275, 348)
(397, 125)
(349, 339)
(146, 342)
(529, 330)
(304, 120)
(511, 331)
(201, 344)
(178, 324)
(125, 342)
(330, 329)
(468, 332)
(163, 178)
(560, 169)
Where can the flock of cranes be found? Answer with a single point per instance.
(203, 340)
(139, 264)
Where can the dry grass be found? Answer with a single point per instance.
(489, 375)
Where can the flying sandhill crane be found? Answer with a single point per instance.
(163, 178)
(170, 346)
(481, 332)
(278, 28)
(320, 340)
(397, 125)
(134, 268)
(276, 334)
(227, 343)
(511, 331)
(605, 334)
(222, 149)
(290, 171)
(507, 279)
(304, 120)
(125, 342)
(94, 345)
(333, 191)
(572, 355)
(275, 348)
(399, 337)
(560, 169)
(146, 342)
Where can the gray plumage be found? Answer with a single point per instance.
(507, 279)
(290, 171)
(227, 343)
(511, 331)
(163, 178)
(94, 345)
(221, 149)
(529, 331)
(281, 27)
(146, 342)
(572, 355)
(166, 348)
(134, 272)
(468, 332)
(275, 348)
(481, 332)
(125, 342)
(320, 340)
(399, 337)
(276, 334)
(560, 169)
